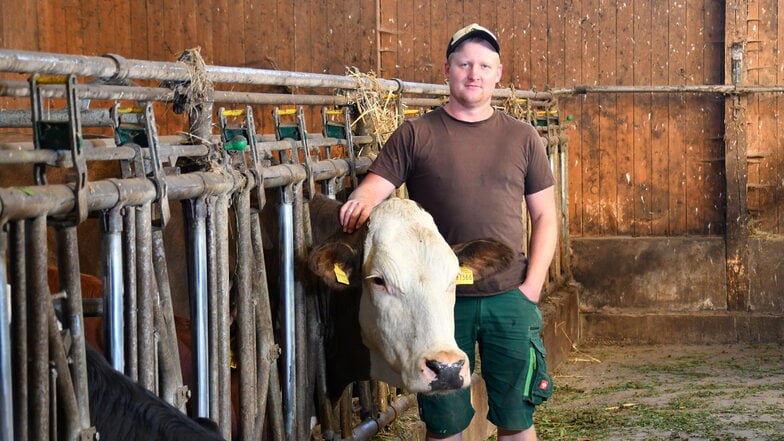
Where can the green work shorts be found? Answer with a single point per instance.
(507, 329)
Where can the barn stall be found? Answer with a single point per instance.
(674, 146)
(222, 184)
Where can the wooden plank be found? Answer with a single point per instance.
(504, 30)
(695, 120)
(625, 120)
(283, 54)
(521, 50)
(423, 66)
(714, 118)
(406, 33)
(48, 14)
(676, 145)
(660, 119)
(591, 153)
(570, 106)
(302, 47)
(124, 25)
(642, 133)
(487, 16)
(387, 38)
(538, 30)
(778, 156)
(445, 19)
(101, 36)
(555, 44)
(608, 123)
(735, 163)
(221, 32)
(202, 22)
(766, 141)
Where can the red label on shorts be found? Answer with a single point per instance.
(544, 384)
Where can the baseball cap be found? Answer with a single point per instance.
(472, 31)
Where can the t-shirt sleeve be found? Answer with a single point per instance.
(539, 174)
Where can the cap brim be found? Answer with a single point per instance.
(476, 33)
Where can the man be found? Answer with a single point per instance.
(471, 166)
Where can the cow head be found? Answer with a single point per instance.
(407, 273)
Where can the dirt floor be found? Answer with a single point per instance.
(716, 392)
(713, 393)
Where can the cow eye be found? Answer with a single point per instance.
(378, 281)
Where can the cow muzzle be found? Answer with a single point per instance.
(447, 371)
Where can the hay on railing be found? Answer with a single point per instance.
(517, 107)
(377, 110)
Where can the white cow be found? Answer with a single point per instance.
(407, 274)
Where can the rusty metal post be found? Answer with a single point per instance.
(6, 374)
(302, 390)
(145, 298)
(222, 311)
(245, 315)
(68, 266)
(64, 396)
(38, 337)
(214, 272)
(171, 387)
(19, 294)
(267, 350)
(130, 294)
(316, 332)
(563, 158)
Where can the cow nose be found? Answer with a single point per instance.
(447, 374)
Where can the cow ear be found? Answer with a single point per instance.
(484, 257)
(337, 264)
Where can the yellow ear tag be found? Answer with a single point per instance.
(341, 275)
(465, 276)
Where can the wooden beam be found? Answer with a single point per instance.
(736, 160)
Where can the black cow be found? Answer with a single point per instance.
(121, 409)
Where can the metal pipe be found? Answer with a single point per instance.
(23, 118)
(303, 391)
(118, 67)
(68, 262)
(214, 272)
(64, 399)
(130, 294)
(113, 288)
(145, 298)
(38, 337)
(6, 389)
(366, 430)
(19, 324)
(195, 215)
(266, 353)
(563, 155)
(288, 335)
(171, 372)
(222, 309)
(105, 150)
(21, 203)
(245, 316)
(724, 89)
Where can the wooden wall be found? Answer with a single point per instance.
(642, 164)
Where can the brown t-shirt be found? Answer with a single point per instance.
(472, 178)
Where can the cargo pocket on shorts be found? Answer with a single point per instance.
(538, 384)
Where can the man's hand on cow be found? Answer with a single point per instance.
(354, 214)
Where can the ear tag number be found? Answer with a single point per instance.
(465, 276)
(341, 275)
